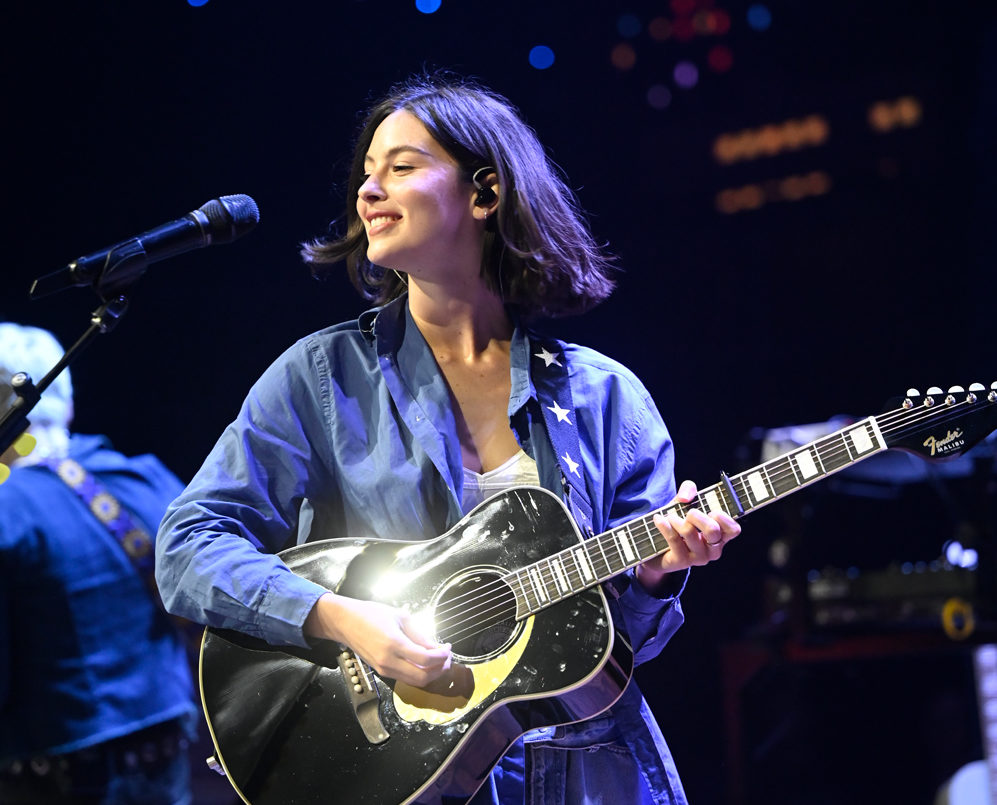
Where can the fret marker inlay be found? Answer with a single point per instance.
(538, 586)
(562, 582)
(583, 564)
(805, 464)
(713, 503)
(624, 539)
(861, 440)
(758, 487)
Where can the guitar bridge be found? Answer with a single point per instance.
(364, 696)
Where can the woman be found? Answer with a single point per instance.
(398, 424)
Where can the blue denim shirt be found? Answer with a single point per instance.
(350, 433)
(86, 655)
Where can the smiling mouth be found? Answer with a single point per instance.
(379, 222)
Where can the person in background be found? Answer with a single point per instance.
(461, 232)
(96, 696)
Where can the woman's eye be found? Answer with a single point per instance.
(401, 168)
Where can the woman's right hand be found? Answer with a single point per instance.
(389, 640)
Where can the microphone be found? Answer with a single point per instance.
(114, 269)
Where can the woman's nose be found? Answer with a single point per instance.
(370, 189)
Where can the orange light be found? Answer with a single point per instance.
(905, 113)
(623, 56)
(792, 188)
(702, 22)
(771, 139)
(660, 29)
(908, 111)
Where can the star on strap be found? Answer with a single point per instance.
(572, 465)
(548, 357)
(559, 412)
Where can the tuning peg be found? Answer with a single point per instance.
(913, 393)
(929, 396)
(973, 396)
(956, 389)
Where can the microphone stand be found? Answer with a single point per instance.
(15, 421)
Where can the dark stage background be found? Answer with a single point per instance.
(802, 197)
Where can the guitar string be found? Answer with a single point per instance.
(889, 423)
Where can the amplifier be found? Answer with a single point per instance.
(919, 595)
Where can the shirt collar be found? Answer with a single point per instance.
(522, 382)
(383, 325)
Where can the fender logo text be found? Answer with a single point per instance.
(952, 441)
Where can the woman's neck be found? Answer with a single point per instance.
(460, 325)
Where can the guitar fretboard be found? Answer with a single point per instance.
(595, 560)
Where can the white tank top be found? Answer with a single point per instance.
(517, 471)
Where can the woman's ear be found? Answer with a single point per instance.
(486, 183)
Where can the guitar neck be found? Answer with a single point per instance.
(595, 560)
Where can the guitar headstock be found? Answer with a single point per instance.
(940, 424)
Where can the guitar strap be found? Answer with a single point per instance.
(552, 382)
(133, 538)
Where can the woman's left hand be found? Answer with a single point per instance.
(695, 540)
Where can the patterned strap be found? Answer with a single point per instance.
(550, 377)
(133, 538)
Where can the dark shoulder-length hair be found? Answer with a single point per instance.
(539, 253)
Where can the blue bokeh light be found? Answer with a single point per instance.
(428, 6)
(759, 17)
(628, 25)
(197, 3)
(541, 57)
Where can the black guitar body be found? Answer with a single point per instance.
(295, 726)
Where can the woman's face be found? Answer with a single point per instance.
(419, 214)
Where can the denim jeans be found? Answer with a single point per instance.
(617, 757)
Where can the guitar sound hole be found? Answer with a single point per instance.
(476, 614)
